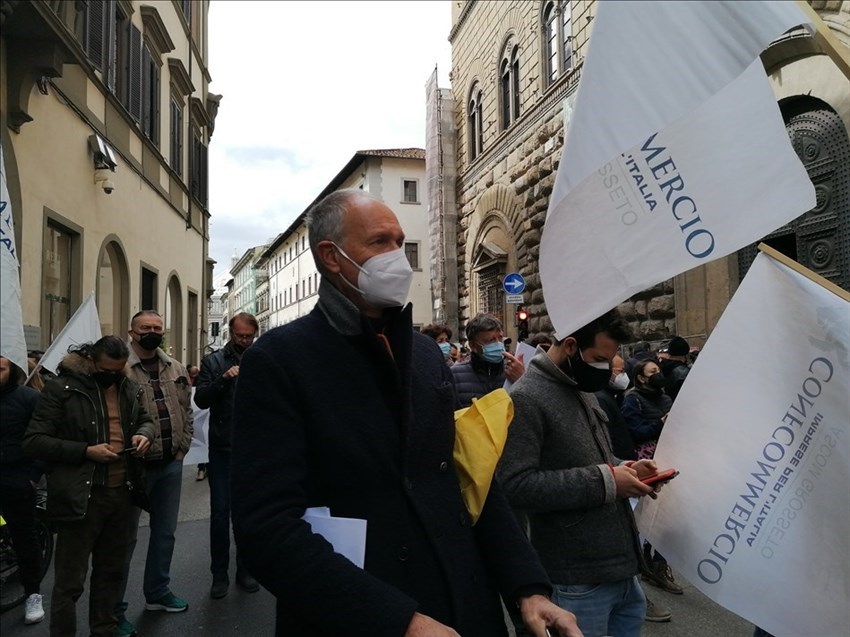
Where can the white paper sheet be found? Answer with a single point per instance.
(347, 535)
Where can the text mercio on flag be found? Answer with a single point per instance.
(648, 185)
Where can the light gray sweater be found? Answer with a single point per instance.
(555, 469)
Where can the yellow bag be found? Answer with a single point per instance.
(481, 431)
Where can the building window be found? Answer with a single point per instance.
(509, 84)
(176, 146)
(490, 293)
(410, 190)
(198, 181)
(134, 75)
(475, 125)
(149, 290)
(557, 39)
(411, 251)
(60, 275)
(150, 96)
(98, 22)
(117, 79)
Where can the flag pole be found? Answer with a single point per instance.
(33, 373)
(801, 269)
(824, 36)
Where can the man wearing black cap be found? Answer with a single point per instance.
(675, 365)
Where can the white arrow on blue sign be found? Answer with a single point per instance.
(514, 283)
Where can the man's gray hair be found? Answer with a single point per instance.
(324, 219)
(482, 323)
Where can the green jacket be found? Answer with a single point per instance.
(70, 416)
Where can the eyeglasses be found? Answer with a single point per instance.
(144, 329)
(243, 337)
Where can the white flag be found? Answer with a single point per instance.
(83, 327)
(13, 345)
(676, 153)
(759, 517)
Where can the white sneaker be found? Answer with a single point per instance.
(34, 612)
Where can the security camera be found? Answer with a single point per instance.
(101, 178)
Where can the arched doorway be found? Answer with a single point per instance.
(173, 318)
(819, 239)
(113, 289)
(496, 245)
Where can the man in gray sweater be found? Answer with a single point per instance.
(559, 471)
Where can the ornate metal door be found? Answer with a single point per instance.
(819, 239)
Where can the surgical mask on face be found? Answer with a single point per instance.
(149, 340)
(384, 280)
(493, 352)
(446, 349)
(620, 381)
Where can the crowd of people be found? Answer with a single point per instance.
(110, 429)
(352, 409)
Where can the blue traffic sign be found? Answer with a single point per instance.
(514, 283)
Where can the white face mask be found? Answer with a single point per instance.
(621, 381)
(384, 280)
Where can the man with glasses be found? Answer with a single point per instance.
(214, 388)
(168, 399)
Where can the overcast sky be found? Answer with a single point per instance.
(306, 85)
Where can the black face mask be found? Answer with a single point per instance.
(150, 341)
(107, 379)
(656, 382)
(588, 378)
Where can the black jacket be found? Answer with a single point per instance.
(475, 378)
(622, 442)
(17, 403)
(216, 394)
(69, 417)
(675, 373)
(643, 410)
(324, 416)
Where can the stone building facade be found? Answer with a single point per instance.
(515, 71)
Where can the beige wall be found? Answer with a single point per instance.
(53, 177)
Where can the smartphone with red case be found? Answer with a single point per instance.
(660, 476)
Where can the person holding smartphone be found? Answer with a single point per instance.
(82, 421)
(558, 468)
(645, 409)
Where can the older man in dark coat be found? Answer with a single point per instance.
(349, 408)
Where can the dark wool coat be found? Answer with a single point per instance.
(323, 416)
(555, 467)
(70, 416)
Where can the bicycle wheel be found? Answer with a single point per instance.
(11, 587)
(45, 540)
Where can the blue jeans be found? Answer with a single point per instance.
(164, 482)
(218, 475)
(613, 608)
